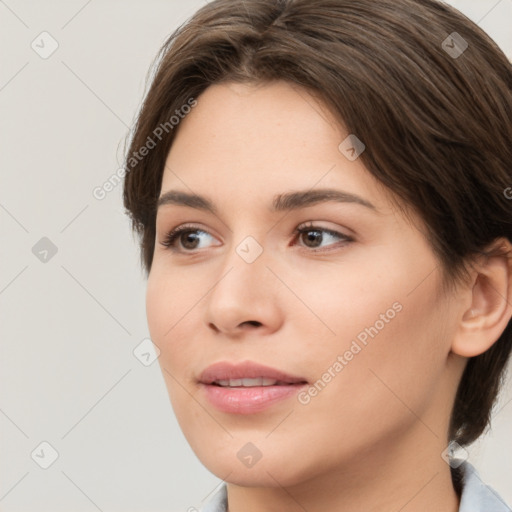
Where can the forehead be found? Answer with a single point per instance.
(268, 122)
(261, 140)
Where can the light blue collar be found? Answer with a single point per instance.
(477, 496)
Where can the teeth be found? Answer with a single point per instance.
(246, 383)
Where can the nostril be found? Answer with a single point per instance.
(252, 322)
(214, 327)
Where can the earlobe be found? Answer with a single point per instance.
(490, 310)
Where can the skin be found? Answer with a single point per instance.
(372, 438)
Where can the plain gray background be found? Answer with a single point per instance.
(70, 324)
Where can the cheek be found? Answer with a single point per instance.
(171, 295)
(341, 304)
(388, 350)
(169, 304)
(154, 300)
(168, 309)
(386, 292)
(382, 312)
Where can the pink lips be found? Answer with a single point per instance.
(239, 399)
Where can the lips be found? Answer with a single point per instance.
(246, 371)
(248, 387)
(247, 383)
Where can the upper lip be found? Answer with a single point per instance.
(225, 370)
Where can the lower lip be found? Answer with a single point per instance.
(245, 400)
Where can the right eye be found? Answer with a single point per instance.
(188, 237)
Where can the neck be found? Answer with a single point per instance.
(411, 478)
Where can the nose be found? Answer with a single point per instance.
(245, 298)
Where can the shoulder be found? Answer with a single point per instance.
(476, 496)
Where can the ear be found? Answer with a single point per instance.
(489, 295)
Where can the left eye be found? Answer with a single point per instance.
(189, 237)
(318, 235)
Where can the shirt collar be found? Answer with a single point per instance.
(477, 496)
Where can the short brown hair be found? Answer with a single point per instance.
(437, 124)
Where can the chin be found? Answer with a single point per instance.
(242, 463)
(262, 474)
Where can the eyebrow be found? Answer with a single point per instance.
(281, 202)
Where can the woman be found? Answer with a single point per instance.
(320, 190)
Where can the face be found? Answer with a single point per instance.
(298, 327)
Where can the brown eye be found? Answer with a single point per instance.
(189, 238)
(313, 236)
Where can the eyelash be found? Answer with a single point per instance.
(173, 236)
